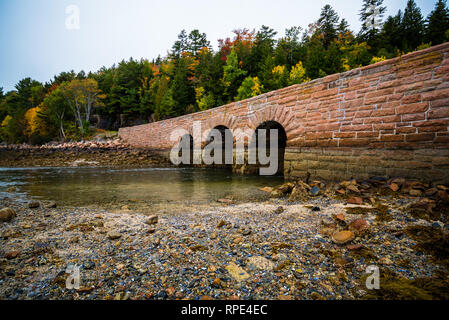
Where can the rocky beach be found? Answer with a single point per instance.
(310, 240)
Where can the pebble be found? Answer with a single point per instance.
(114, 235)
(342, 237)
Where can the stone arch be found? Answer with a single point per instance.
(280, 114)
(226, 120)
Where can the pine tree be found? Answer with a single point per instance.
(371, 17)
(438, 24)
(413, 26)
(392, 35)
(328, 24)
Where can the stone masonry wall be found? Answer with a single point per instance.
(390, 118)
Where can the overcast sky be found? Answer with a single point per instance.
(36, 43)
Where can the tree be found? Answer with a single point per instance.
(413, 26)
(82, 96)
(250, 87)
(57, 109)
(328, 25)
(298, 74)
(371, 16)
(197, 41)
(232, 75)
(392, 35)
(438, 24)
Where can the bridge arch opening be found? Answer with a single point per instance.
(269, 126)
(186, 145)
(226, 144)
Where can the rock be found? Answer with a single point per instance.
(213, 235)
(261, 263)
(266, 189)
(285, 297)
(394, 187)
(237, 240)
(315, 209)
(353, 188)
(151, 230)
(12, 254)
(354, 247)
(358, 226)
(34, 204)
(7, 214)
(51, 205)
(431, 192)
(279, 210)
(113, 235)
(343, 237)
(276, 193)
(246, 231)
(340, 217)
(152, 220)
(227, 201)
(438, 224)
(221, 224)
(216, 283)
(355, 200)
(386, 261)
(11, 189)
(238, 273)
(315, 191)
(415, 193)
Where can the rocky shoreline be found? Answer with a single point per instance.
(308, 241)
(73, 154)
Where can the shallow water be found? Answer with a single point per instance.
(86, 186)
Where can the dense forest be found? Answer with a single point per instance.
(194, 77)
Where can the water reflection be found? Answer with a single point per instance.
(83, 186)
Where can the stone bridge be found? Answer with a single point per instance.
(386, 119)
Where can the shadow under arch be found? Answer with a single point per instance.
(186, 144)
(226, 153)
(282, 143)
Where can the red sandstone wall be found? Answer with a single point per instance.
(400, 104)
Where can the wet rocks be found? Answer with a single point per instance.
(51, 205)
(358, 226)
(7, 214)
(12, 254)
(342, 237)
(355, 200)
(34, 204)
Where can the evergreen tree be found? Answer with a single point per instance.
(392, 35)
(438, 24)
(328, 22)
(371, 16)
(413, 26)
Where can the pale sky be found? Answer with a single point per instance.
(36, 43)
